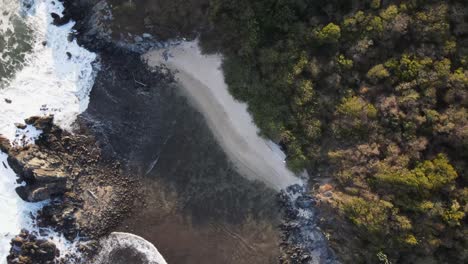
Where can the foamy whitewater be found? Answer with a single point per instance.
(48, 81)
(124, 241)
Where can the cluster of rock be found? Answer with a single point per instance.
(303, 242)
(88, 194)
(94, 24)
(26, 248)
(43, 174)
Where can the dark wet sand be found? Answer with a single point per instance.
(195, 207)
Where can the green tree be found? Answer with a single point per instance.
(331, 34)
(377, 73)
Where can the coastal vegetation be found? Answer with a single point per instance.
(371, 93)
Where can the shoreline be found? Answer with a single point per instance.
(202, 82)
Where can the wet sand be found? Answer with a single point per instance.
(194, 206)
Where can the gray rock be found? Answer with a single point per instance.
(138, 39)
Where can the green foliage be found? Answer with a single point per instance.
(450, 47)
(329, 34)
(411, 67)
(354, 118)
(296, 159)
(369, 215)
(373, 93)
(375, 4)
(453, 215)
(432, 24)
(375, 25)
(377, 73)
(425, 178)
(305, 92)
(411, 240)
(345, 63)
(389, 13)
(356, 107)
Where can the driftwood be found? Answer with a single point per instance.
(137, 82)
(153, 164)
(92, 195)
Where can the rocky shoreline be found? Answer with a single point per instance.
(88, 194)
(303, 242)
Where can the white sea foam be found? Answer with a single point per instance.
(16, 213)
(120, 241)
(49, 83)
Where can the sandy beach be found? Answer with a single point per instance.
(203, 83)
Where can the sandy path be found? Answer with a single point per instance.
(203, 82)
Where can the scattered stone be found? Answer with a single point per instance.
(69, 55)
(26, 248)
(65, 168)
(8, 101)
(302, 240)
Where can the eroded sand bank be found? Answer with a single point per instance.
(203, 82)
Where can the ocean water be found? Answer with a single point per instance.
(41, 72)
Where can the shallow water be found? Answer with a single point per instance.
(195, 206)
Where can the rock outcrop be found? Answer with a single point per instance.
(88, 194)
(303, 242)
(26, 248)
(42, 171)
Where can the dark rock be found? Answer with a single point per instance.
(40, 192)
(59, 21)
(69, 55)
(26, 248)
(20, 126)
(44, 123)
(65, 168)
(42, 172)
(8, 101)
(302, 240)
(305, 202)
(4, 144)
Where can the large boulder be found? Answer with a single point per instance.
(43, 174)
(4, 144)
(40, 168)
